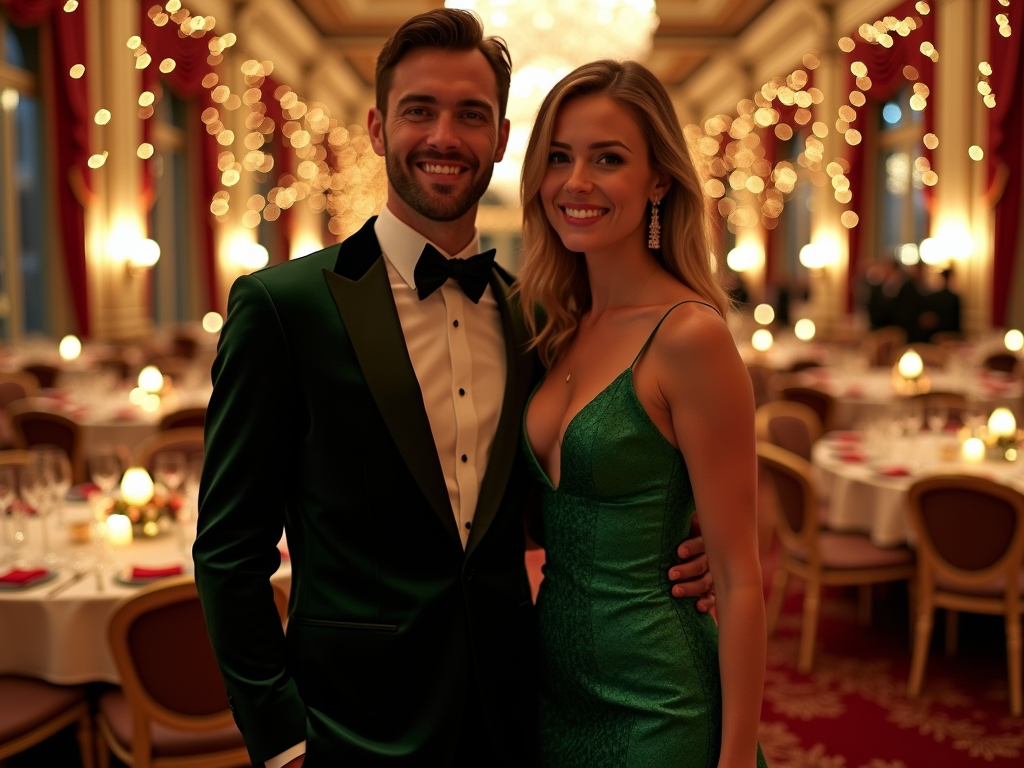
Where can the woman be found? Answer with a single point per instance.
(646, 412)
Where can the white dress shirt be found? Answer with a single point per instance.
(457, 349)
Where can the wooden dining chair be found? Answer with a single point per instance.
(790, 425)
(33, 427)
(171, 710)
(970, 553)
(32, 711)
(791, 387)
(18, 385)
(44, 373)
(185, 417)
(880, 346)
(1006, 362)
(820, 557)
(187, 440)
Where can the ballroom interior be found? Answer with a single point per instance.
(861, 163)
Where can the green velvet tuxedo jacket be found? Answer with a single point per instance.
(317, 425)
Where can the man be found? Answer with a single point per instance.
(373, 408)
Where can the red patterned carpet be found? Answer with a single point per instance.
(852, 710)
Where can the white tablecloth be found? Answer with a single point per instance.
(63, 639)
(869, 395)
(861, 498)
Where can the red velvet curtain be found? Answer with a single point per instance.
(1005, 149)
(186, 81)
(69, 97)
(885, 68)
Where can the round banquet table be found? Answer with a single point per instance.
(869, 395)
(62, 638)
(870, 495)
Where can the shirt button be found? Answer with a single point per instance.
(468, 525)
(456, 323)
(465, 458)
(462, 392)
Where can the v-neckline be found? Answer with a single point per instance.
(565, 432)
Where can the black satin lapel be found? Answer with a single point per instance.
(367, 308)
(506, 439)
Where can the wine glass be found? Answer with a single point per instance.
(937, 419)
(35, 492)
(169, 469)
(59, 467)
(8, 485)
(105, 468)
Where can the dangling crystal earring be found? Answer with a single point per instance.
(654, 235)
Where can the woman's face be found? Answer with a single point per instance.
(599, 177)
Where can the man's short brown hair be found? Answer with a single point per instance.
(447, 29)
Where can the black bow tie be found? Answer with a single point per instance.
(472, 274)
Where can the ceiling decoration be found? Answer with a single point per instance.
(690, 31)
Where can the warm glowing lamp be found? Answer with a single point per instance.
(145, 254)
(1002, 423)
(762, 340)
(1014, 340)
(70, 348)
(804, 329)
(813, 256)
(136, 487)
(119, 530)
(910, 365)
(150, 379)
(212, 322)
(973, 450)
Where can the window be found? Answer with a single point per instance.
(902, 215)
(24, 248)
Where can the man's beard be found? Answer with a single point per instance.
(442, 204)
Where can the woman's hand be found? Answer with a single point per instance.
(692, 574)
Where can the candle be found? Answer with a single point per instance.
(119, 530)
(973, 450)
(136, 487)
(1001, 423)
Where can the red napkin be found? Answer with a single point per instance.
(852, 457)
(894, 471)
(139, 572)
(848, 437)
(22, 577)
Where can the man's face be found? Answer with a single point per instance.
(441, 136)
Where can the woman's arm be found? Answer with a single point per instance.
(708, 393)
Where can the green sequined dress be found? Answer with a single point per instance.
(629, 673)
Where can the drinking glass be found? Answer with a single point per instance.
(105, 468)
(8, 484)
(937, 419)
(35, 492)
(169, 468)
(59, 467)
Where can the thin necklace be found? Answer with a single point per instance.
(568, 358)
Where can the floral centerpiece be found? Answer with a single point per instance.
(151, 507)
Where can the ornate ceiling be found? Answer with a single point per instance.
(690, 31)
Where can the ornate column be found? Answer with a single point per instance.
(116, 225)
(828, 235)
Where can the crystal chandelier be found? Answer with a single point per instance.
(547, 40)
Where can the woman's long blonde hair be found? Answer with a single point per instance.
(555, 278)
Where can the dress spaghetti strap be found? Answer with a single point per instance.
(663, 317)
